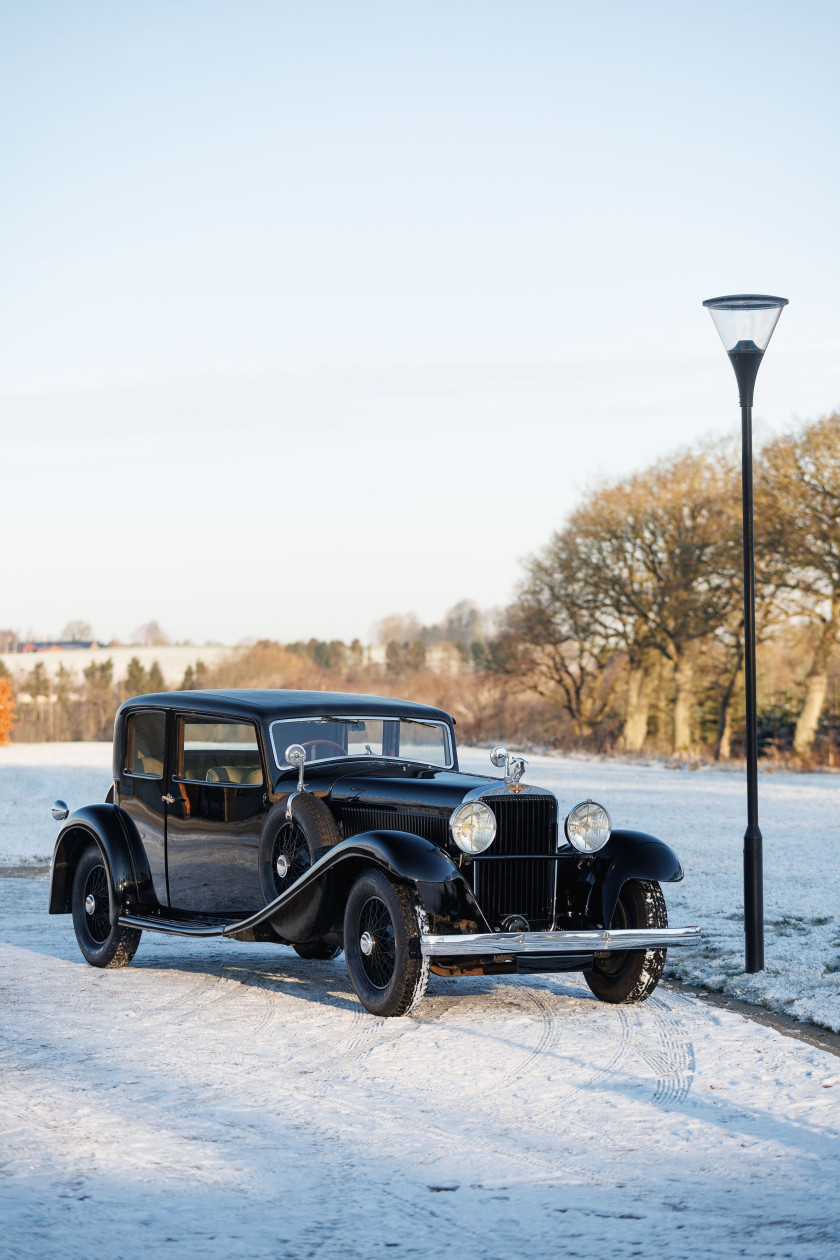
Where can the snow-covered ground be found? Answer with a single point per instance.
(223, 1099)
(701, 813)
(32, 776)
(220, 1099)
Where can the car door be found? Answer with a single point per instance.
(142, 787)
(217, 805)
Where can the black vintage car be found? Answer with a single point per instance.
(330, 822)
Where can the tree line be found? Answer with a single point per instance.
(625, 631)
(631, 618)
(42, 707)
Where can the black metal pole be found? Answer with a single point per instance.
(753, 845)
(737, 316)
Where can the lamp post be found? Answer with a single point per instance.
(745, 323)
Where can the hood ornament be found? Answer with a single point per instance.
(514, 766)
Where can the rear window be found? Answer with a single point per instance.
(146, 744)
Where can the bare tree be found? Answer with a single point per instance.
(662, 559)
(398, 628)
(555, 639)
(150, 635)
(800, 482)
(78, 632)
(464, 623)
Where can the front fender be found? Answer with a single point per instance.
(113, 830)
(442, 889)
(630, 855)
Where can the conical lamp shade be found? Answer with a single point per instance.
(745, 322)
(746, 317)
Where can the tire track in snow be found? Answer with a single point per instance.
(193, 975)
(447, 1085)
(532, 1165)
(548, 1116)
(429, 1133)
(672, 1058)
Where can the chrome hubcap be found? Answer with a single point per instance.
(90, 904)
(283, 865)
(366, 944)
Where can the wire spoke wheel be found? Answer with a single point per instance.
(97, 905)
(384, 922)
(376, 934)
(102, 940)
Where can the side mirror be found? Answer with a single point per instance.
(60, 810)
(296, 756)
(499, 756)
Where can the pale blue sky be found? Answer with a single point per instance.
(314, 312)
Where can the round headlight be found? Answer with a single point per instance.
(473, 827)
(588, 827)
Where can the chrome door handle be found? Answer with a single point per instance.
(170, 800)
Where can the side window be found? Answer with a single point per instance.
(146, 744)
(218, 752)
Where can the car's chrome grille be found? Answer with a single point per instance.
(517, 876)
(524, 824)
(358, 818)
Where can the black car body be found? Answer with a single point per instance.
(210, 830)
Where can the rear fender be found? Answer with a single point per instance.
(113, 830)
(629, 855)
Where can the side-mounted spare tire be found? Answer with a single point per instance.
(288, 847)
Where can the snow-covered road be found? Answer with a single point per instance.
(233, 1100)
(226, 1100)
(701, 813)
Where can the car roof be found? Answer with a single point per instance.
(277, 703)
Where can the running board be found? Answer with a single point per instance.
(175, 927)
(510, 944)
(182, 927)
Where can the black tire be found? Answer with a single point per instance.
(633, 976)
(391, 978)
(319, 950)
(299, 841)
(102, 941)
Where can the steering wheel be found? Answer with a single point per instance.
(309, 743)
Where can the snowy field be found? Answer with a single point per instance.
(223, 1099)
(173, 659)
(700, 813)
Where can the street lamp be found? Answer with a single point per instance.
(745, 323)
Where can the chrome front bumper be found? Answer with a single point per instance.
(509, 944)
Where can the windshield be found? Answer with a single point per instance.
(330, 737)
